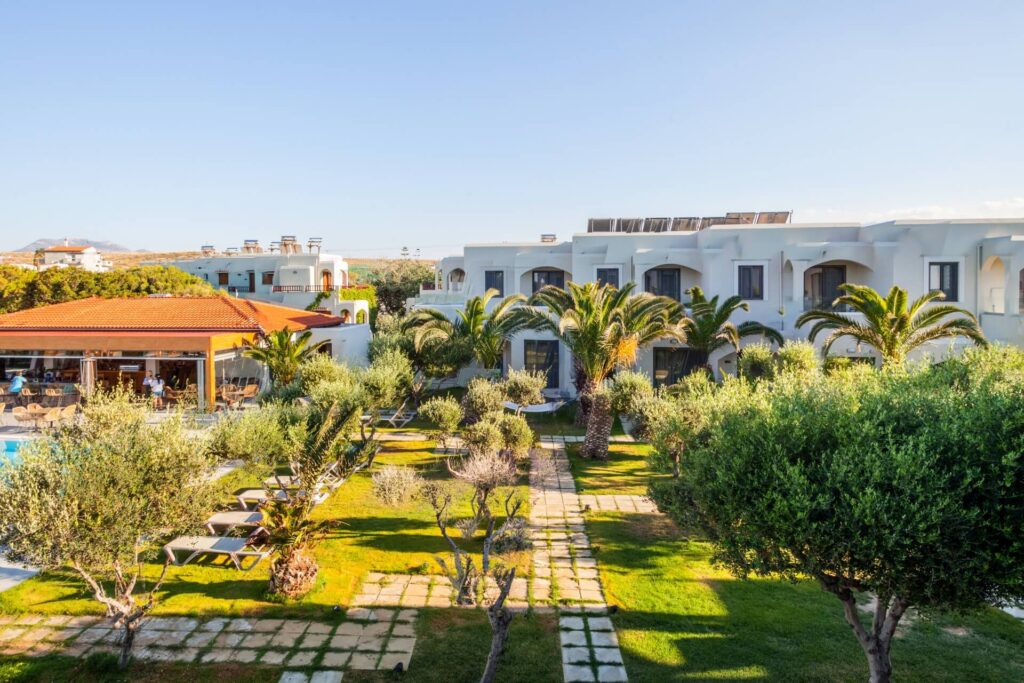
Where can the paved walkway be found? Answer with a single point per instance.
(568, 569)
(618, 503)
(366, 639)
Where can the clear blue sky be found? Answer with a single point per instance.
(428, 124)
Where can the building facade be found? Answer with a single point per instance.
(781, 269)
(284, 273)
(86, 258)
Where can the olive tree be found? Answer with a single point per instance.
(901, 485)
(94, 494)
(445, 413)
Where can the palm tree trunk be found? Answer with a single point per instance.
(599, 427)
(585, 391)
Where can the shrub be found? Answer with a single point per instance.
(320, 368)
(388, 379)
(396, 484)
(524, 387)
(834, 364)
(798, 356)
(512, 537)
(516, 435)
(483, 437)
(445, 413)
(627, 390)
(482, 398)
(253, 436)
(757, 362)
(468, 527)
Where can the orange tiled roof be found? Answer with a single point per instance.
(66, 249)
(164, 314)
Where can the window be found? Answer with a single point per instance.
(944, 277)
(222, 279)
(821, 286)
(671, 365)
(495, 279)
(608, 276)
(542, 356)
(663, 282)
(751, 282)
(268, 277)
(542, 278)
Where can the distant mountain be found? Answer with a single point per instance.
(108, 247)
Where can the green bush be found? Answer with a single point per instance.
(253, 436)
(483, 398)
(757, 362)
(524, 387)
(798, 356)
(517, 437)
(445, 413)
(319, 368)
(483, 437)
(627, 390)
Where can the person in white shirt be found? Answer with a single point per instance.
(156, 386)
(147, 383)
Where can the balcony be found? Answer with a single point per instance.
(301, 289)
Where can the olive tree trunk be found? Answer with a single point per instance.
(500, 619)
(876, 641)
(599, 427)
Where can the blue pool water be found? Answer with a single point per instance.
(9, 453)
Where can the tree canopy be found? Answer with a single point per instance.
(397, 280)
(22, 288)
(901, 484)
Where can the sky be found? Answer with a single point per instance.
(378, 125)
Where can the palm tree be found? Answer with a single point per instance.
(708, 327)
(487, 334)
(892, 327)
(282, 353)
(603, 327)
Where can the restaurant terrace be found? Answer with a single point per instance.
(194, 344)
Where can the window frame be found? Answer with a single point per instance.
(740, 267)
(957, 265)
(263, 277)
(537, 271)
(500, 274)
(223, 278)
(553, 370)
(615, 269)
(665, 269)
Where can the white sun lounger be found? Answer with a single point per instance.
(235, 549)
(251, 498)
(227, 521)
(549, 407)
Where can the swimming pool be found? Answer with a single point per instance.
(9, 452)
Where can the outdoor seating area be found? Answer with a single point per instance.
(37, 416)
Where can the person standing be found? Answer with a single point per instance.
(156, 386)
(147, 384)
(17, 384)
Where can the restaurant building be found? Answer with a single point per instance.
(195, 344)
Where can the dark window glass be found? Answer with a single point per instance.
(821, 286)
(542, 356)
(268, 277)
(944, 277)
(222, 279)
(671, 365)
(495, 279)
(542, 278)
(751, 282)
(663, 282)
(608, 276)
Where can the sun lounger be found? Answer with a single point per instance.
(226, 521)
(549, 407)
(251, 498)
(238, 550)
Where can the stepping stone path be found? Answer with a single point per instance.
(564, 567)
(418, 590)
(366, 639)
(618, 503)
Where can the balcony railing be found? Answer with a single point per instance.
(316, 289)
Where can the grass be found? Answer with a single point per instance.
(373, 537)
(624, 472)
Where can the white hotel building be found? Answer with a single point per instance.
(780, 268)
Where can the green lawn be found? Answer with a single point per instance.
(374, 537)
(624, 472)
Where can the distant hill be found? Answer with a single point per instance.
(105, 247)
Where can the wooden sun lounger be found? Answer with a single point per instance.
(236, 549)
(231, 519)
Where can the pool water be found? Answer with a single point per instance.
(9, 453)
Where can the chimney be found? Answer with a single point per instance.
(548, 238)
(208, 250)
(66, 241)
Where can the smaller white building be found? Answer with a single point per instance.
(68, 255)
(284, 273)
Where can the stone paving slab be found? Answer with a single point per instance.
(618, 503)
(366, 639)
